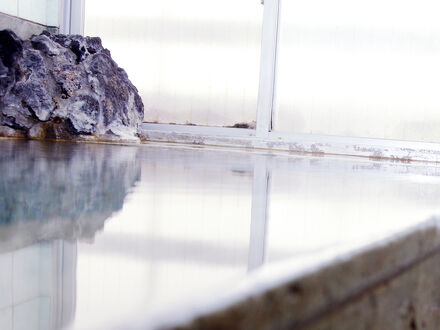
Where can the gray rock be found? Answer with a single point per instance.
(65, 87)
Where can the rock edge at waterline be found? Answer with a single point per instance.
(65, 87)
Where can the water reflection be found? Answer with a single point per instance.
(51, 195)
(60, 191)
(93, 236)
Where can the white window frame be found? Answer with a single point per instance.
(71, 16)
(72, 21)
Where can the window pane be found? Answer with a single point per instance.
(193, 61)
(360, 68)
(40, 11)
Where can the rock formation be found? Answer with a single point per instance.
(64, 87)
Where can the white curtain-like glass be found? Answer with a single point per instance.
(359, 68)
(194, 61)
(40, 11)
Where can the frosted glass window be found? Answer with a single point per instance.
(33, 10)
(359, 68)
(9, 7)
(194, 61)
(40, 11)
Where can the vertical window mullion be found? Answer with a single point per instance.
(269, 40)
(71, 16)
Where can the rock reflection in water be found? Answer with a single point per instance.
(51, 195)
(60, 190)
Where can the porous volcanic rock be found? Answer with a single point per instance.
(64, 87)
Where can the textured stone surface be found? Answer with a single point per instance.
(393, 286)
(65, 87)
(410, 300)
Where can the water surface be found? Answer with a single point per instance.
(92, 235)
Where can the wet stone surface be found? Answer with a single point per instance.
(64, 87)
(393, 286)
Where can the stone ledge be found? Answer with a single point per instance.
(392, 285)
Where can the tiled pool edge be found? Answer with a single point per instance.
(392, 285)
